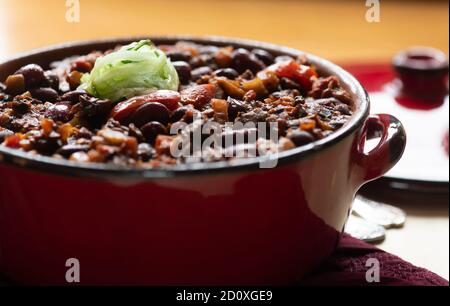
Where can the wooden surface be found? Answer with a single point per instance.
(336, 30)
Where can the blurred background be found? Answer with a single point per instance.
(336, 30)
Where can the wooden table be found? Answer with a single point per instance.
(336, 30)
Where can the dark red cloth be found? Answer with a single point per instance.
(347, 267)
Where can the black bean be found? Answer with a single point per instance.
(283, 58)
(264, 56)
(300, 138)
(73, 96)
(45, 94)
(177, 56)
(235, 107)
(51, 80)
(47, 146)
(184, 71)
(152, 129)
(59, 112)
(95, 108)
(199, 72)
(133, 131)
(229, 73)
(20, 107)
(152, 111)
(33, 74)
(67, 150)
(179, 114)
(243, 60)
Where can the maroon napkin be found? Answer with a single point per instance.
(347, 267)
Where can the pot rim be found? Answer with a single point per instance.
(109, 171)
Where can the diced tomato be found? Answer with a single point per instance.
(198, 95)
(12, 141)
(124, 109)
(291, 69)
(163, 144)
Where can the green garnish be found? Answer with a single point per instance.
(136, 69)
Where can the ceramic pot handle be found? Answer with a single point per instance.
(389, 150)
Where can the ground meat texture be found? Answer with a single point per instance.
(42, 111)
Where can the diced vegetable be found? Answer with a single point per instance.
(231, 88)
(220, 108)
(199, 95)
(291, 69)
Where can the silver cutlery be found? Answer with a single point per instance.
(385, 215)
(364, 230)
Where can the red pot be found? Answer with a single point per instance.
(212, 225)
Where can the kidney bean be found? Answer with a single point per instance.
(179, 56)
(243, 60)
(184, 72)
(168, 98)
(197, 73)
(51, 80)
(45, 94)
(300, 138)
(152, 129)
(150, 111)
(198, 95)
(67, 150)
(59, 112)
(264, 56)
(81, 66)
(122, 111)
(33, 74)
(229, 73)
